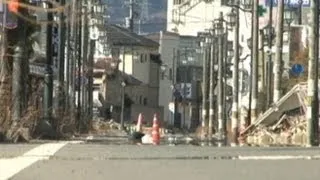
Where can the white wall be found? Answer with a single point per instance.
(134, 65)
(141, 67)
(169, 43)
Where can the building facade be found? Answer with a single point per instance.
(132, 61)
(181, 69)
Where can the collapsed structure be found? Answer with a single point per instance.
(282, 124)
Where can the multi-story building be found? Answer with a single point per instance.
(133, 61)
(188, 17)
(181, 69)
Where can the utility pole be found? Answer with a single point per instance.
(131, 18)
(300, 12)
(61, 62)
(278, 60)
(235, 77)
(204, 89)
(269, 62)
(211, 91)
(123, 89)
(255, 60)
(174, 91)
(73, 37)
(313, 75)
(48, 80)
(90, 62)
(221, 124)
(17, 72)
(84, 57)
(67, 60)
(263, 72)
(79, 64)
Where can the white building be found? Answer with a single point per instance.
(188, 17)
(180, 66)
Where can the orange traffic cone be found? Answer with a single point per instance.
(139, 123)
(155, 131)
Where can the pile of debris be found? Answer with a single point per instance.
(109, 128)
(289, 130)
(113, 128)
(282, 124)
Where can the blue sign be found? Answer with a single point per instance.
(292, 3)
(297, 69)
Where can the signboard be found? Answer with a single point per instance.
(292, 3)
(39, 69)
(55, 46)
(94, 33)
(1, 7)
(171, 106)
(10, 20)
(297, 69)
(185, 90)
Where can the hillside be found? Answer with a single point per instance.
(154, 21)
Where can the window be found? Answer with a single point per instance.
(145, 57)
(170, 74)
(136, 56)
(145, 101)
(162, 75)
(177, 2)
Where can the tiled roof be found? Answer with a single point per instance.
(120, 36)
(130, 80)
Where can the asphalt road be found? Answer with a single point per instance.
(14, 150)
(123, 162)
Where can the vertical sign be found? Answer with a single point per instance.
(8, 19)
(55, 45)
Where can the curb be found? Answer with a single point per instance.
(241, 158)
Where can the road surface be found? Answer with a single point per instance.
(84, 161)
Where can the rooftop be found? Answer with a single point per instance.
(120, 36)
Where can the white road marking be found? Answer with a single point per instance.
(12, 166)
(89, 138)
(286, 157)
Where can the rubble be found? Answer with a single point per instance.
(284, 123)
(110, 128)
(289, 130)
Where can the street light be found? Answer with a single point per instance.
(212, 32)
(268, 31)
(230, 53)
(288, 15)
(232, 18)
(247, 4)
(163, 68)
(218, 26)
(123, 85)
